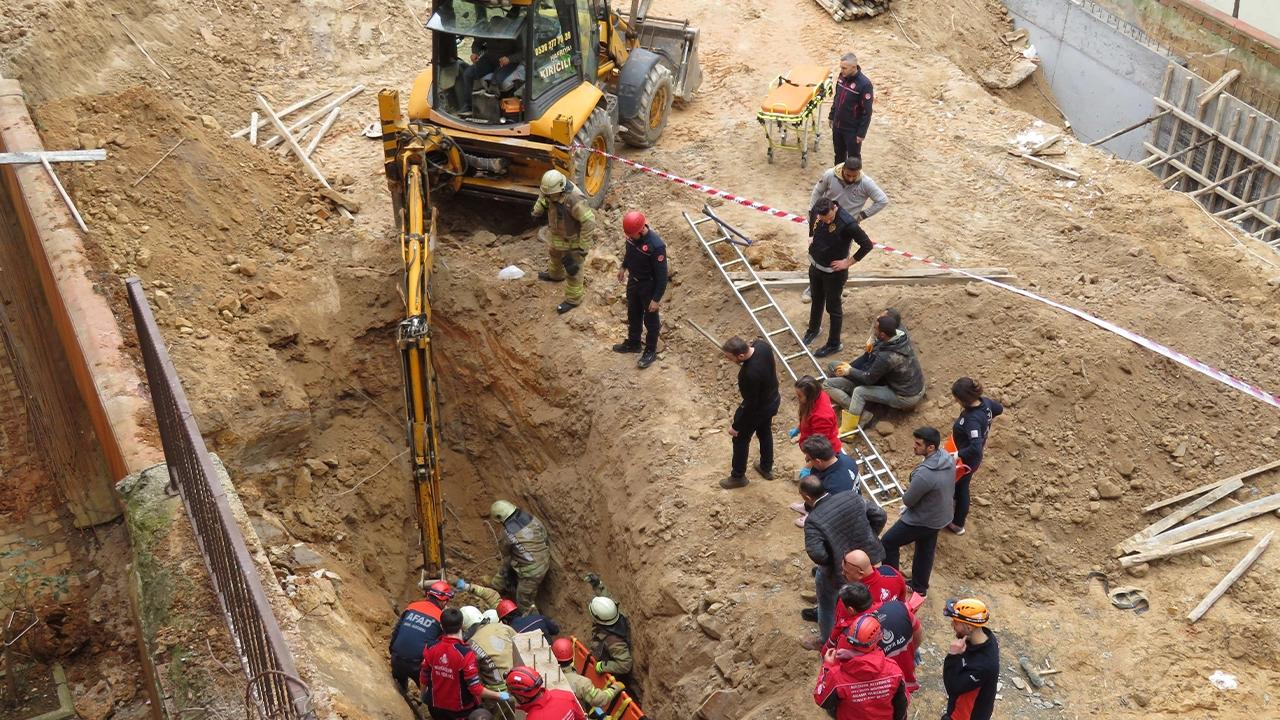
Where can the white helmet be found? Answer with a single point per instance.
(491, 616)
(604, 610)
(553, 181)
(500, 510)
(470, 616)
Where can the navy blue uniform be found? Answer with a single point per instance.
(832, 241)
(418, 629)
(525, 623)
(840, 476)
(970, 434)
(646, 266)
(851, 115)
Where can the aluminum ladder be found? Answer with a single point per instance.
(874, 473)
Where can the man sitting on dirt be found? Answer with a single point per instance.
(526, 554)
(847, 186)
(893, 378)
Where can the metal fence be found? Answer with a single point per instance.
(273, 685)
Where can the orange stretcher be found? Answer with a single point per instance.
(624, 706)
(792, 105)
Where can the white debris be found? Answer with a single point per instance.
(1224, 681)
(510, 272)
(1029, 52)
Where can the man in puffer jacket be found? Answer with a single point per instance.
(893, 377)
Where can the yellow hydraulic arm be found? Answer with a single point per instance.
(408, 168)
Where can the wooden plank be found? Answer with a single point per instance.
(1225, 180)
(1215, 89)
(1224, 140)
(1045, 145)
(35, 157)
(1203, 543)
(1223, 585)
(1208, 156)
(1222, 158)
(324, 128)
(1261, 506)
(258, 123)
(1129, 129)
(253, 128)
(315, 115)
(1210, 486)
(293, 145)
(1247, 140)
(1229, 486)
(1062, 171)
(1177, 117)
(1218, 192)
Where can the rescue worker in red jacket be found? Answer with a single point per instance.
(450, 678)
(884, 581)
(859, 683)
(971, 671)
(900, 631)
(417, 630)
(539, 703)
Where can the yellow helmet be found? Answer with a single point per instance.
(970, 611)
(500, 510)
(553, 181)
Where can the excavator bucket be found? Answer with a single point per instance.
(677, 44)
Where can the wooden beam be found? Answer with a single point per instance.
(1131, 128)
(324, 128)
(1062, 171)
(1225, 180)
(35, 157)
(1226, 488)
(1248, 205)
(1250, 154)
(1220, 192)
(1182, 548)
(1261, 506)
(293, 146)
(786, 278)
(1223, 585)
(1149, 163)
(315, 115)
(1045, 145)
(253, 128)
(259, 123)
(1216, 89)
(1210, 486)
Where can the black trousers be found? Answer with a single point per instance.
(846, 144)
(639, 295)
(926, 541)
(826, 289)
(403, 670)
(761, 429)
(962, 500)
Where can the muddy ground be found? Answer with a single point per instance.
(281, 319)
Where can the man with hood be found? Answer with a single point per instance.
(927, 507)
(892, 377)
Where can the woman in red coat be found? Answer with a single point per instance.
(817, 414)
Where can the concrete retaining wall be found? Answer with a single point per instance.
(1103, 79)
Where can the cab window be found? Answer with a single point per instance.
(553, 45)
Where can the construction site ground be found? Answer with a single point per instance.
(281, 319)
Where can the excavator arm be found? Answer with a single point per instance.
(413, 160)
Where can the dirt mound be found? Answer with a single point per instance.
(281, 320)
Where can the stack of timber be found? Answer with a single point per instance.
(854, 9)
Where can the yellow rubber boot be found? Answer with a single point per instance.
(848, 422)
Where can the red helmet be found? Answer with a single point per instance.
(524, 683)
(505, 608)
(864, 636)
(440, 590)
(633, 223)
(562, 648)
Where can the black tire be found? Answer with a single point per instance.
(593, 171)
(656, 97)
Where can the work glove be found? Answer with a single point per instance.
(461, 585)
(842, 369)
(793, 432)
(592, 578)
(600, 666)
(596, 713)
(504, 696)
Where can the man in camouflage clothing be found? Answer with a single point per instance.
(526, 554)
(569, 234)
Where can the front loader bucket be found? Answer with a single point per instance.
(677, 44)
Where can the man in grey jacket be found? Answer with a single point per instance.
(928, 505)
(850, 189)
(837, 523)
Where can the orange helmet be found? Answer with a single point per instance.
(524, 683)
(505, 608)
(633, 223)
(440, 590)
(864, 635)
(562, 648)
(970, 611)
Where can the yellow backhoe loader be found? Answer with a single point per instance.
(512, 85)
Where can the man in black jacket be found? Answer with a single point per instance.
(646, 259)
(836, 525)
(832, 233)
(758, 384)
(971, 670)
(850, 109)
(890, 376)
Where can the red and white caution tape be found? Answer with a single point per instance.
(1149, 344)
